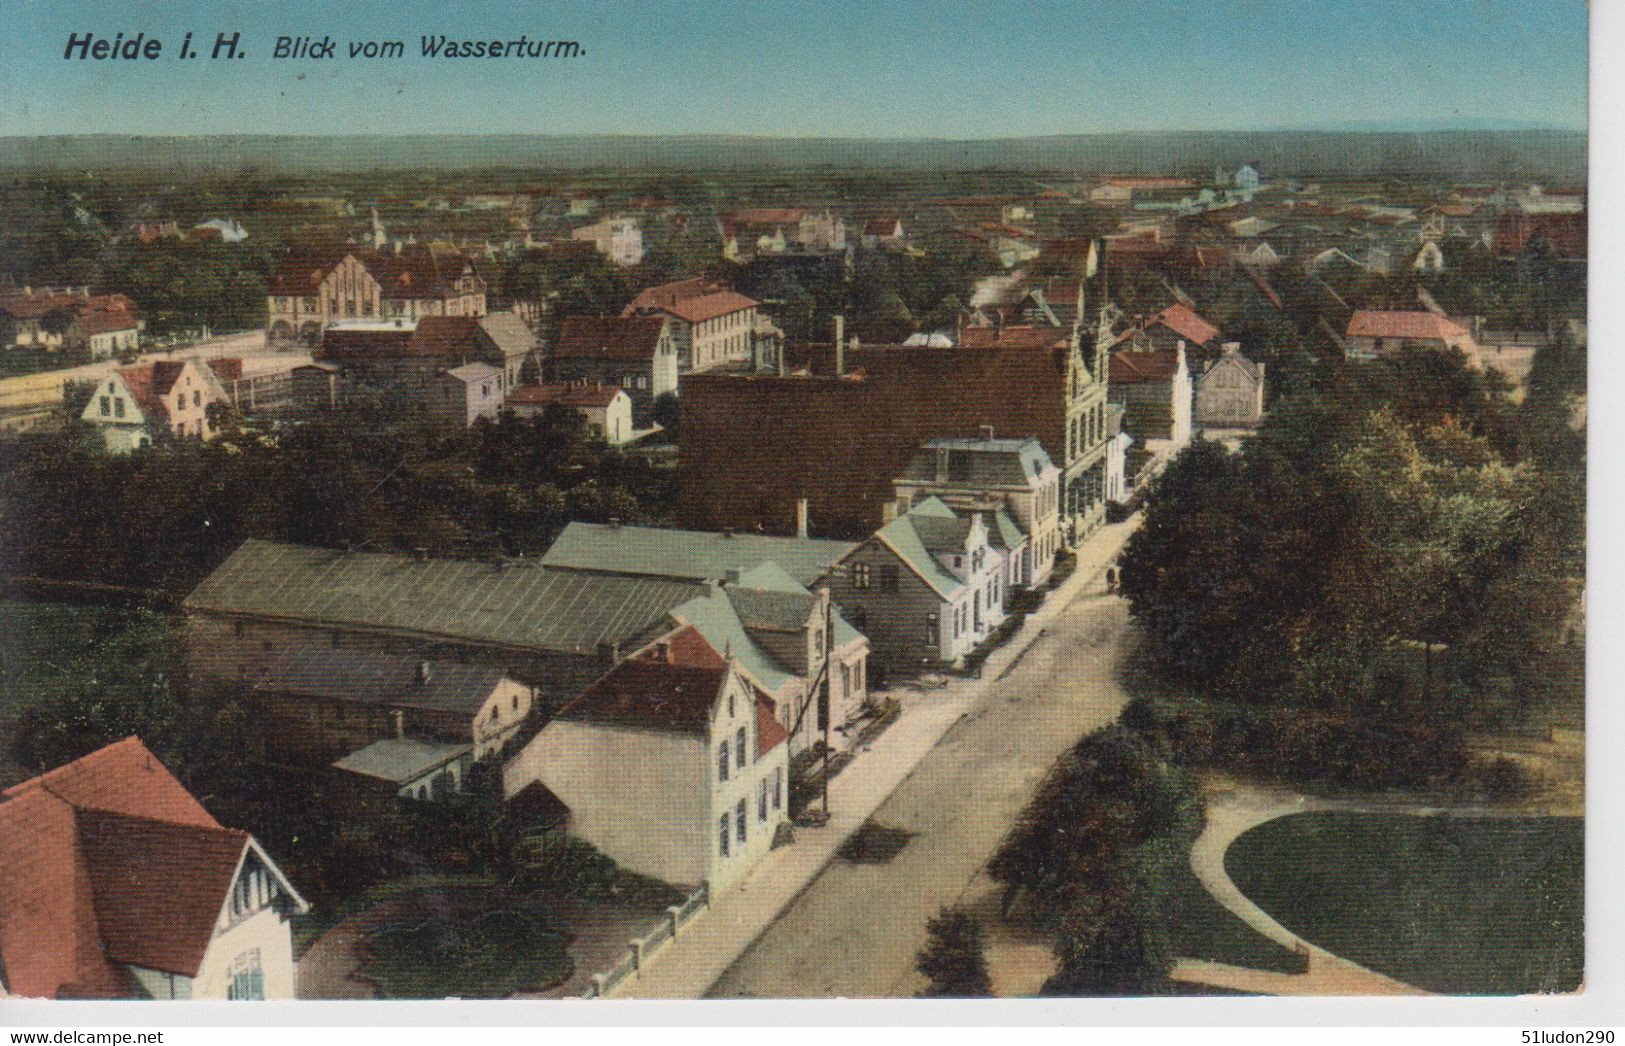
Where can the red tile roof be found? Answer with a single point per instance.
(770, 733)
(567, 395)
(1185, 322)
(710, 306)
(1132, 368)
(629, 338)
(666, 295)
(1420, 326)
(107, 860)
(227, 368)
(446, 336)
(671, 686)
(882, 227)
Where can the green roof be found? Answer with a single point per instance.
(401, 759)
(1006, 531)
(714, 617)
(911, 537)
(693, 555)
(522, 605)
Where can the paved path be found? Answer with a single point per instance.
(953, 772)
(1229, 814)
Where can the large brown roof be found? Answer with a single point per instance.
(1014, 337)
(710, 306)
(841, 442)
(628, 338)
(1133, 368)
(654, 299)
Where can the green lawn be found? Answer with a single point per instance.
(1199, 927)
(1457, 905)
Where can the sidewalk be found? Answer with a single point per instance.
(705, 949)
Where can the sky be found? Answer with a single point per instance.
(842, 68)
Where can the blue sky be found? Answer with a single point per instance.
(811, 67)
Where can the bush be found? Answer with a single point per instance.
(572, 867)
(1308, 747)
(954, 957)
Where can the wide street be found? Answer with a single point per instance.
(855, 929)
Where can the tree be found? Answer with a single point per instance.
(954, 957)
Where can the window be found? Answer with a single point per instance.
(197, 399)
(888, 578)
(739, 820)
(778, 787)
(247, 977)
(930, 629)
(722, 836)
(107, 406)
(118, 406)
(722, 761)
(761, 801)
(516, 702)
(739, 748)
(860, 571)
(730, 706)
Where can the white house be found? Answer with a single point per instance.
(115, 883)
(672, 764)
(1429, 259)
(927, 587)
(618, 239)
(463, 395)
(1117, 445)
(133, 404)
(1230, 393)
(607, 409)
(1246, 178)
(1013, 474)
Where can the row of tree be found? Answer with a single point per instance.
(162, 518)
(1398, 538)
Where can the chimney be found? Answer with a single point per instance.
(400, 724)
(801, 512)
(942, 464)
(987, 433)
(423, 671)
(840, 345)
(888, 512)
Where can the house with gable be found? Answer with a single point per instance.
(757, 599)
(606, 409)
(1380, 332)
(1154, 388)
(115, 883)
(671, 763)
(926, 588)
(1230, 392)
(1015, 476)
(133, 404)
(710, 326)
(636, 353)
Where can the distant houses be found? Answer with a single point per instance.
(309, 292)
(1230, 392)
(71, 320)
